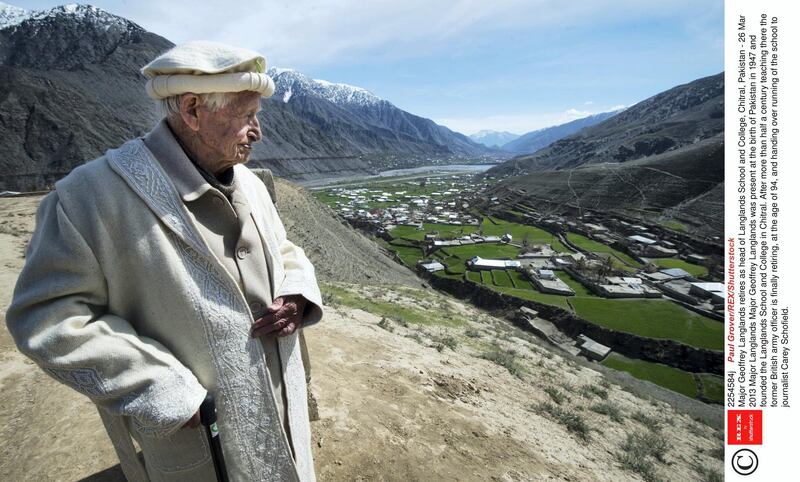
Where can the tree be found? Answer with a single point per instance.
(607, 266)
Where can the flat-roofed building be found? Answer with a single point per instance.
(477, 263)
(592, 349)
(432, 267)
(641, 239)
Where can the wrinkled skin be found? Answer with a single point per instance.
(218, 140)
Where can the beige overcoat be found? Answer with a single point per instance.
(121, 299)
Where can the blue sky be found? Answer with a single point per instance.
(502, 65)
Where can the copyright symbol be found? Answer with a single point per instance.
(744, 462)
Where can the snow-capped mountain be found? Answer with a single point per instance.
(361, 122)
(72, 89)
(287, 81)
(491, 138)
(67, 37)
(11, 15)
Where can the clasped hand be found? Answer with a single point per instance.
(283, 317)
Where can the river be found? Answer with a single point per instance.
(409, 172)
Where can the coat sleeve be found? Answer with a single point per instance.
(58, 318)
(299, 277)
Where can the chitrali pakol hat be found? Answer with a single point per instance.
(206, 67)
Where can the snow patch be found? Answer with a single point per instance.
(11, 15)
(290, 82)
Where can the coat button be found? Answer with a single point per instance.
(242, 252)
(255, 307)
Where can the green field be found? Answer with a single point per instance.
(474, 276)
(668, 377)
(652, 319)
(520, 280)
(576, 286)
(501, 278)
(591, 245)
(484, 250)
(533, 295)
(692, 269)
(445, 231)
(455, 265)
(648, 318)
(712, 386)
(409, 254)
(675, 225)
(498, 227)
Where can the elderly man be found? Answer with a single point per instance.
(161, 271)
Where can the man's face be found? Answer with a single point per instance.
(227, 135)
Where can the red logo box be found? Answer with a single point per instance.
(744, 427)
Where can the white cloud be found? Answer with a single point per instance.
(577, 114)
(516, 123)
(306, 33)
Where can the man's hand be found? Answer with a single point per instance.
(282, 318)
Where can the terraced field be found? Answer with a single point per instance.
(676, 380)
(692, 269)
(492, 226)
(683, 382)
(651, 318)
(587, 244)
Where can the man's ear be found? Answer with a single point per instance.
(189, 104)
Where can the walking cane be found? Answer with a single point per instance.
(208, 417)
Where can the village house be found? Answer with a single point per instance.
(431, 267)
(546, 281)
(592, 349)
(477, 263)
(627, 287)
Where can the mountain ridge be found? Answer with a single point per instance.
(669, 120)
(71, 89)
(539, 139)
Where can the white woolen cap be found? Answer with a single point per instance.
(205, 67)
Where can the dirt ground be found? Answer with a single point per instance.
(395, 403)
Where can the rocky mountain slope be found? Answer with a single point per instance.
(659, 160)
(684, 186)
(411, 385)
(539, 139)
(669, 121)
(337, 120)
(70, 88)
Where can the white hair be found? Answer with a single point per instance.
(171, 106)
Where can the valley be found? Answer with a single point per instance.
(623, 281)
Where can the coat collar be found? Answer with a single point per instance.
(179, 168)
(144, 174)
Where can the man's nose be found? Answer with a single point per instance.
(255, 130)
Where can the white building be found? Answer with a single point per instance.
(477, 263)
